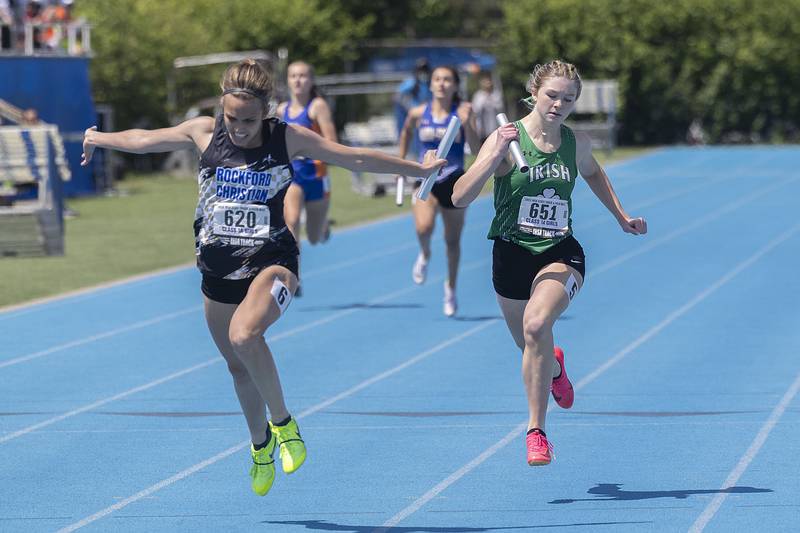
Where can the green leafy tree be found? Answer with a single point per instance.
(423, 19)
(732, 64)
(136, 41)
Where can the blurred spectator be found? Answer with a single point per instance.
(29, 117)
(58, 11)
(487, 102)
(695, 135)
(57, 15)
(33, 15)
(412, 92)
(6, 24)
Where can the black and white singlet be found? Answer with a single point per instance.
(239, 225)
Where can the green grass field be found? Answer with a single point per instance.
(148, 226)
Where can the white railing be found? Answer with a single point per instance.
(10, 112)
(59, 38)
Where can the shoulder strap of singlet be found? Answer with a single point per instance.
(287, 118)
(275, 140)
(427, 112)
(568, 136)
(267, 127)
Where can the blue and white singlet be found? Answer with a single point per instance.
(430, 132)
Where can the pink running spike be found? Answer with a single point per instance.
(540, 451)
(561, 388)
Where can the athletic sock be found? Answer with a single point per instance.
(283, 422)
(263, 444)
(537, 430)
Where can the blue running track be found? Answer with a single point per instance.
(118, 414)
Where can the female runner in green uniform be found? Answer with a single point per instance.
(538, 266)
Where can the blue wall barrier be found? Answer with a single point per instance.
(58, 88)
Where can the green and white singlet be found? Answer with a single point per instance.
(534, 210)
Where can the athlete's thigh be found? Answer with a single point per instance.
(218, 318)
(424, 211)
(316, 216)
(552, 290)
(267, 298)
(453, 223)
(293, 205)
(513, 312)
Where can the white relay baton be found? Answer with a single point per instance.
(398, 191)
(441, 153)
(516, 151)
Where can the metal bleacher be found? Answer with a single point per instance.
(596, 113)
(379, 133)
(32, 166)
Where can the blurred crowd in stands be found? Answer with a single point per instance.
(46, 19)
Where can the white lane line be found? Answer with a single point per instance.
(745, 199)
(702, 295)
(33, 305)
(452, 478)
(362, 258)
(170, 316)
(104, 401)
(421, 427)
(712, 508)
(464, 470)
(230, 451)
(214, 360)
(99, 336)
(653, 200)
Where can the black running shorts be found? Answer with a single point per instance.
(233, 291)
(514, 267)
(443, 190)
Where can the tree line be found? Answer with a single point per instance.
(732, 65)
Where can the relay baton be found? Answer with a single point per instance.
(441, 153)
(398, 191)
(516, 151)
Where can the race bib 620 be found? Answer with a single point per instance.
(241, 220)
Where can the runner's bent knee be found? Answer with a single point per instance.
(534, 328)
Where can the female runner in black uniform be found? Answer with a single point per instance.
(247, 256)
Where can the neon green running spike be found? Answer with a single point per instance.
(263, 470)
(292, 447)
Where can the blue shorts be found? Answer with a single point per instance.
(314, 188)
(312, 177)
